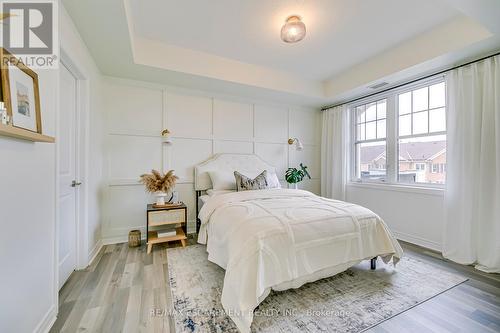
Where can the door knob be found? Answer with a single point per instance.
(74, 183)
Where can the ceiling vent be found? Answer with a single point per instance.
(378, 85)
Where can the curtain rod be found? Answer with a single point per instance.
(409, 82)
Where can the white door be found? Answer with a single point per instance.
(67, 175)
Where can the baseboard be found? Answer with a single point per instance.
(48, 320)
(117, 240)
(95, 251)
(432, 245)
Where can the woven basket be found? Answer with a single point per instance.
(134, 238)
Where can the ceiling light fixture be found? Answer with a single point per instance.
(294, 30)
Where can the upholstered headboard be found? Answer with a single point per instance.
(248, 164)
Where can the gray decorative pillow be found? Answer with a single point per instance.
(243, 183)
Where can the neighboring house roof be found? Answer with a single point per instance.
(370, 153)
(439, 153)
(411, 152)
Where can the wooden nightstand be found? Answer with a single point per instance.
(166, 216)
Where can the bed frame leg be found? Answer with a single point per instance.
(198, 222)
(373, 263)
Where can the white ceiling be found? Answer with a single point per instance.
(340, 33)
(233, 47)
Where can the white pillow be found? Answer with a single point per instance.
(204, 199)
(212, 192)
(222, 180)
(272, 180)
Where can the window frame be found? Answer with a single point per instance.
(420, 166)
(416, 86)
(354, 139)
(435, 168)
(392, 135)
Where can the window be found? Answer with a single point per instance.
(422, 137)
(370, 140)
(420, 166)
(400, 137)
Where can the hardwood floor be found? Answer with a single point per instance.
(473, 306)
(119, 290)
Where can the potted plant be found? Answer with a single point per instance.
(158, 184)
(294, 175)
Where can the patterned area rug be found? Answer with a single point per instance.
(351, 301)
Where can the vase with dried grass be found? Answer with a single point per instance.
(160, 185)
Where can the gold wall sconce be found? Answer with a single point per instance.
(166, 137)
(298, 145)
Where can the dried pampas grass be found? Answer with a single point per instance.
(155, 182)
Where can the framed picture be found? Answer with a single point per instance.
(20, 93)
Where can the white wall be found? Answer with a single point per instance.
(201, 124)
(413, 215)
(27, 216)
(28, 282)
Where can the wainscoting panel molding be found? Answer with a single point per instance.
(200, 125)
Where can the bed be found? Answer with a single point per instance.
(280, 238)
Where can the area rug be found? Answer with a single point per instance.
(351, 301)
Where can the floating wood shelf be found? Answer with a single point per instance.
(19, 133)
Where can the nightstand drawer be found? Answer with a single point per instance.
(166, 217)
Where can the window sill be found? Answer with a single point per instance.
(435, 191)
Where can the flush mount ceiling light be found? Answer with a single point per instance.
(294, 30)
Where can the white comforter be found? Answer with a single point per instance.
(281, 239)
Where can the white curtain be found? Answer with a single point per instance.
(334, 150)
(472, 227)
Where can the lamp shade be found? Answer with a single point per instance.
(298, 145)
(296, 142)
(294, 30)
